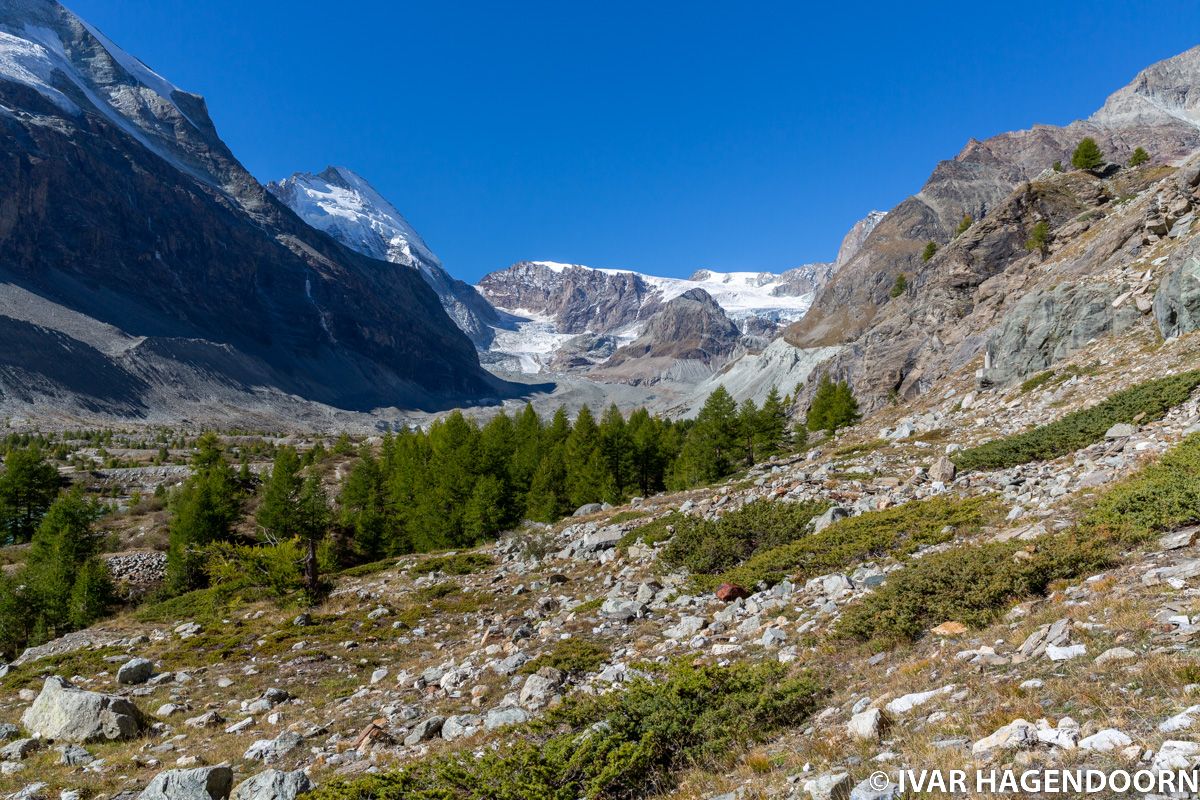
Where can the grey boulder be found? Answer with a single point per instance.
(202, 783)
(272, 750)
(273, 784)
(135, 671)
(1177, 301)
(65, 713)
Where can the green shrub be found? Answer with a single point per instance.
(1145, 401)
(654, 531)
(1087, 154)
(618, 745)
(900, 286)
(971, 585)
(964, 224)
(235, 568)
(1037, 381)
(930, 251)
(625, 516)
(370, 568)
(709, 547)
(457, 564)
(438, 591)
(199, 605)
(588, 606)
(572, 656)
(1139, 157)
(1039, 237)
(1160, 497)
(894, 532)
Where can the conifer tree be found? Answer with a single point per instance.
(28, 485)
(582, 486)
(497, 445)
(1139, 157)
(559, 428)
(67, 586)
(527, 454)
(770, 435)
(833, 406)
(616, 449)
(363, 513)
(281, 491)
(485, 515)
(747, 430)
(548, 500)
(1087, 155)
(203, 512)
(709, 448)
(312, 524)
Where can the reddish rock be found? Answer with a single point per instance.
(728, 592)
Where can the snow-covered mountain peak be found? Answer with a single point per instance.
(343, 204)
(45, 47)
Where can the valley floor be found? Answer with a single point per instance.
(425, 655)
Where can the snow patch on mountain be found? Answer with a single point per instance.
(528, 344)
(740, 294)
(342, 204)
(32, 64)
(87, 66)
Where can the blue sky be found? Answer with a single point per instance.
(663, 137)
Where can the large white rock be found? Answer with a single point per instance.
(908, 702)
(1175, 755)
(1013, 736)
(1181, 721)
(1105, 740)
(65, 713)
(866, 725)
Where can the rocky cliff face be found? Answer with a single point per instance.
(156, 259)
(1156, 111)
(344, 205)
(688, 338)
(576, 298)
(992, 298)
(856, 237)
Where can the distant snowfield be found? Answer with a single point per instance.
(533, 340)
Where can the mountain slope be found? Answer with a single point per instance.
(1156, 111)
(126, 214)
(342, 204)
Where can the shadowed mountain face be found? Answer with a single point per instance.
(344, 205)
(127, 215)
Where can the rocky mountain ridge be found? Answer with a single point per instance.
(148, 275)
(1155, 111)
(342, 204)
